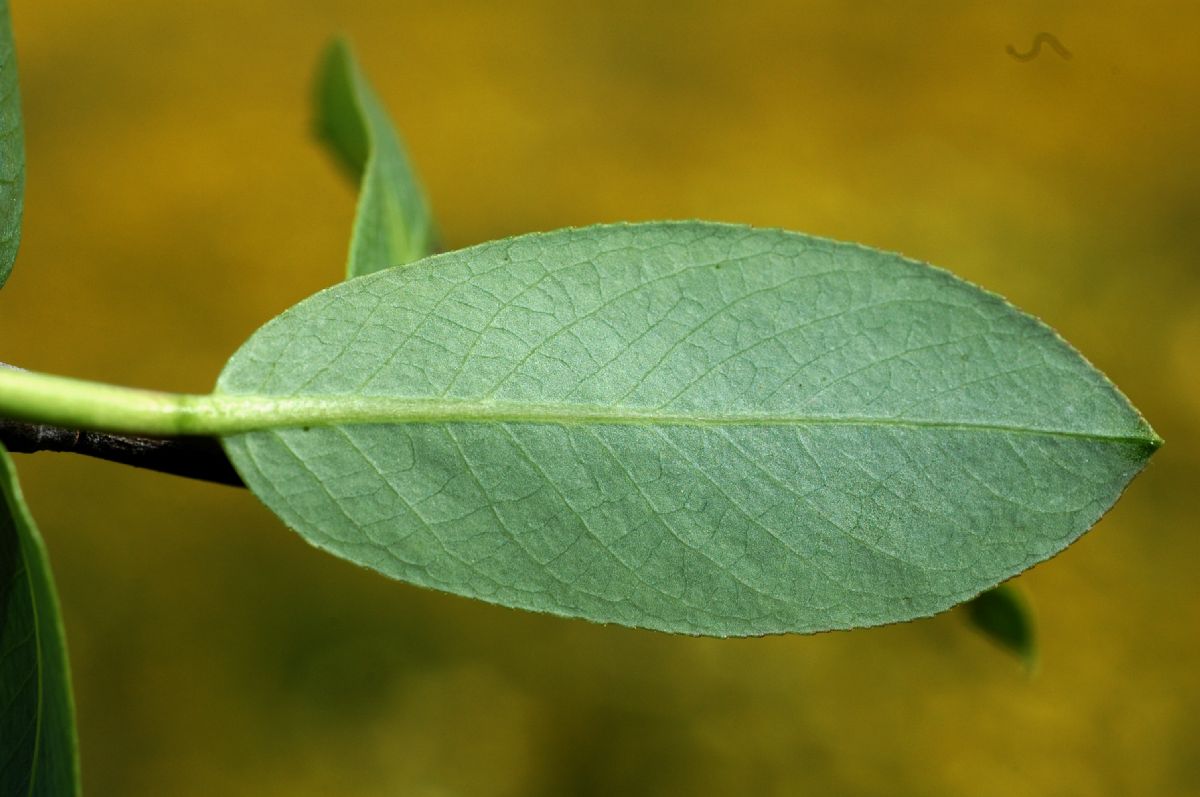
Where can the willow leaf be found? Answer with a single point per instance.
(393, 224)
(692, 427)
(12, 149)
(1003, 615)
(38, 751)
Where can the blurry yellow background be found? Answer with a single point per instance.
(175, 202)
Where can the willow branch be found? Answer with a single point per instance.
(193, 457)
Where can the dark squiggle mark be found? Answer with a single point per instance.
(1036, 48)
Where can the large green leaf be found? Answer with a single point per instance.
(38, 753)
(12, 149)
(393, 224)
(692, 427)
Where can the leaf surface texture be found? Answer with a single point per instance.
(692, 427)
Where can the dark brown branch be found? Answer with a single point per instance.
(194, 457)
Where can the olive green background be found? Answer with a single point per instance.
(175, 201)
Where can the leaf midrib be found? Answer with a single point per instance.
(232, 414)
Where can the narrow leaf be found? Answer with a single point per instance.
(692, 427)
(393, 224)
(38, 751)
(1002, 615)
(12, 149)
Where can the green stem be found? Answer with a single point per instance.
(62, 401)
(78, 404)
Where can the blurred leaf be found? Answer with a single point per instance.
(12, 149)
(393, 224)
(38, 750)
(1003, 615)
(691, 427)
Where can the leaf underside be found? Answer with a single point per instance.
(38, 751)
(731, 431)
(393, 224)
(12, 149)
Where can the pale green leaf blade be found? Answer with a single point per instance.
(12, 149)
(1002, 614)
(393, 224)
(38, 750)
(692, 427)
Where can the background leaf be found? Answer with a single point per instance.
(692, 427)
(12, 149)
(38, 750)
(393, 224)
(1003, 615)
